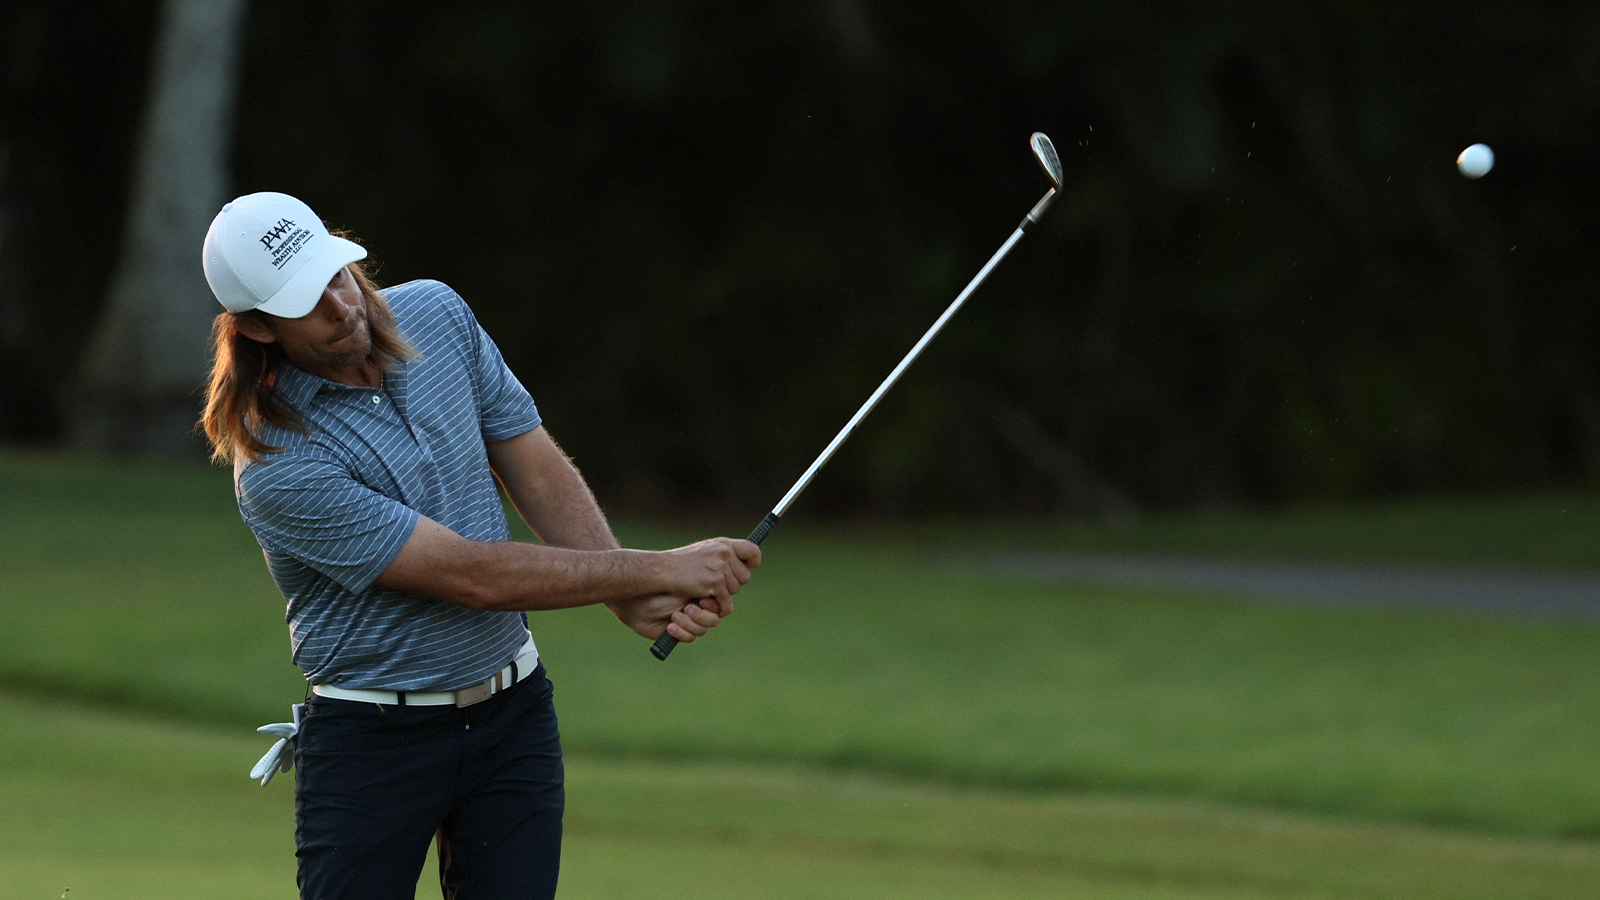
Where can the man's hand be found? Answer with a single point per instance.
(714, 569)
(650, 616)
(703, 579)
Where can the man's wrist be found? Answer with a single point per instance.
(650, 569)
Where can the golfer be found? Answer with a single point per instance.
(367, 430)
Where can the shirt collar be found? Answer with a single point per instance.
(297, 386)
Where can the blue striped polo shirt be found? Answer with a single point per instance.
(334, 508)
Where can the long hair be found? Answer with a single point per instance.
(243, 394)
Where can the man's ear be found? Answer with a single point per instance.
(255, 329)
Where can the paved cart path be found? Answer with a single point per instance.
(1496, 591)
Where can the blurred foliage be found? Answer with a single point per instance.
(702, 232)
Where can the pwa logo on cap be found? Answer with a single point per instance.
(284, 240)
(269, 251)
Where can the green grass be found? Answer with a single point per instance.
(864, 659)
(1048, 740)
(121, 806)
(112, 805)
(138, 585)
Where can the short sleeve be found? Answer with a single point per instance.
(312, 509)
(505, 408)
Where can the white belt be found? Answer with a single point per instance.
(527, 660)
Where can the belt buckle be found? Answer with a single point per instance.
(481, 692)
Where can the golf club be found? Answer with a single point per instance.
(1045, 153)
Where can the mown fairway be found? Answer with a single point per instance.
(876, 721)
(126, 807)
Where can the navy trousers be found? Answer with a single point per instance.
(373, 784)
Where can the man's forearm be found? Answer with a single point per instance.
(506, 575)
(513, 575)
(549, 493)
(644, 589)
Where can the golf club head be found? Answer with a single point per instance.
(1045, 152)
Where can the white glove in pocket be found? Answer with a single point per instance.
(281, 757)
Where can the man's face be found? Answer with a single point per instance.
(334, 335)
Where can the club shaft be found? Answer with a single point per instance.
(894, 376)
(664, 644)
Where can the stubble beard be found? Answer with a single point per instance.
(314, 357)
(353, 357)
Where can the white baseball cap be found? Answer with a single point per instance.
(270, 252)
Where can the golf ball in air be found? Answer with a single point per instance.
(1475, 161)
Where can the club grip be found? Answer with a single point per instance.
(764, 529)
(662, 648)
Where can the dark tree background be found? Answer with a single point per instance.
(702, 232)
